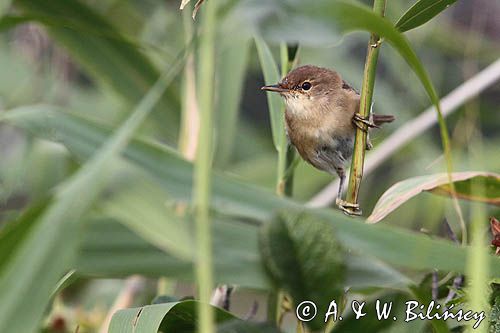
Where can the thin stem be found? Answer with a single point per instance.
(203, 168)
(284, 184)
(477, 267)
(356, 173)
(286, 153)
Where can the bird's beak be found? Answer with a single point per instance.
(274, 88)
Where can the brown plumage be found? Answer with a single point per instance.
(321, 118)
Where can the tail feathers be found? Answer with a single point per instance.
(379, 119)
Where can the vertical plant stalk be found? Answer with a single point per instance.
(286, 153)
(284, 184)
(203, 168)
(477, 267)
(478, 275)
(358, 159)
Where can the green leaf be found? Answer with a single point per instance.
(110, 249)
(35, 251)
(403, 191)
(421, 12)
(179, 317)
(28, 277)
(236, 198)
(17, 230)
(464, 189)
(274, 101)
(141, 206)
(366, 272)
(291, 246)
(240, 326)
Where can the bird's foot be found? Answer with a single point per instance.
(369, 145)
(349, 208)
(362, 123)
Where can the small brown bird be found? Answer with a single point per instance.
(321, 119)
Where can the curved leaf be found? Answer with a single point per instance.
(465, 189)
(36, 250)
(178, 317)
(403, 191)
(274, 101)
(140, 205)
(421, 12)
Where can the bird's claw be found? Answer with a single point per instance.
(349, 208)
(362, 123)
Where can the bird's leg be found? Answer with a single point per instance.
(363, 123)
(347, 207)
(369, 145)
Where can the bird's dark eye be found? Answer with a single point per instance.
(306, 85)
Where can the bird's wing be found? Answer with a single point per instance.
(347, 86)
(375, 118)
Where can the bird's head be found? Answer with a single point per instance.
(307, 87)
(307, 81)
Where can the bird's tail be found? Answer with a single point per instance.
(379, 119)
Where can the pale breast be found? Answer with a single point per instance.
(318, 126)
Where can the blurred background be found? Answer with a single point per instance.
(61, 62)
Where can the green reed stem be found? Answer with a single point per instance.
(358, 158)
(203, 167)
(286, 153)
(284, 184)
